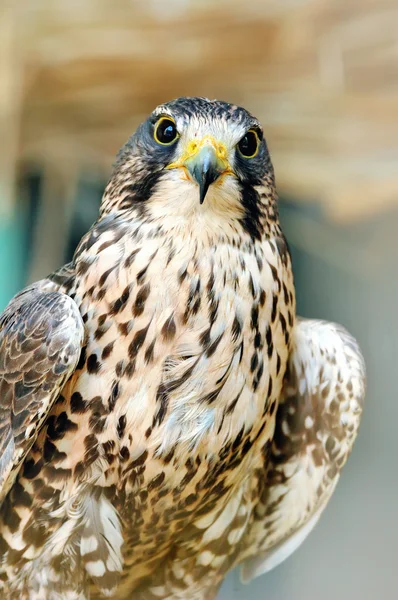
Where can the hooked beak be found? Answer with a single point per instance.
(205, 161)
(205, 168)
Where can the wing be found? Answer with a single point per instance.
(316, 425)
(41, 335)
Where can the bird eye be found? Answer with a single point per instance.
(249, 144)
(165, 131)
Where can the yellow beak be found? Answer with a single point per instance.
(205, 161)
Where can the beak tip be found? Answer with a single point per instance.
(203, 189)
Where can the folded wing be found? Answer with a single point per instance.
(41, 336)
(316, 425)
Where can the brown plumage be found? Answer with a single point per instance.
(164, 416)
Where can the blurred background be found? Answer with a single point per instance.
(76, 77)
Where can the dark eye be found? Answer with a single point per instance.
(249, 144)
(165, 131)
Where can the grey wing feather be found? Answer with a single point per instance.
(41, 336)
(316, 426)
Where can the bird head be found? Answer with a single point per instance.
(192, 155)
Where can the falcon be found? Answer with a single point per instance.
(164, 415)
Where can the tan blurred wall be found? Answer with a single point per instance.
(322, 75)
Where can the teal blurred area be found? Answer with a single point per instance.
(13, 263)
(322, 75)
(16, 236)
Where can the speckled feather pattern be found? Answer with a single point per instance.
(171, 431)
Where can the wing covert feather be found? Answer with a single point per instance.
(41, 336)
